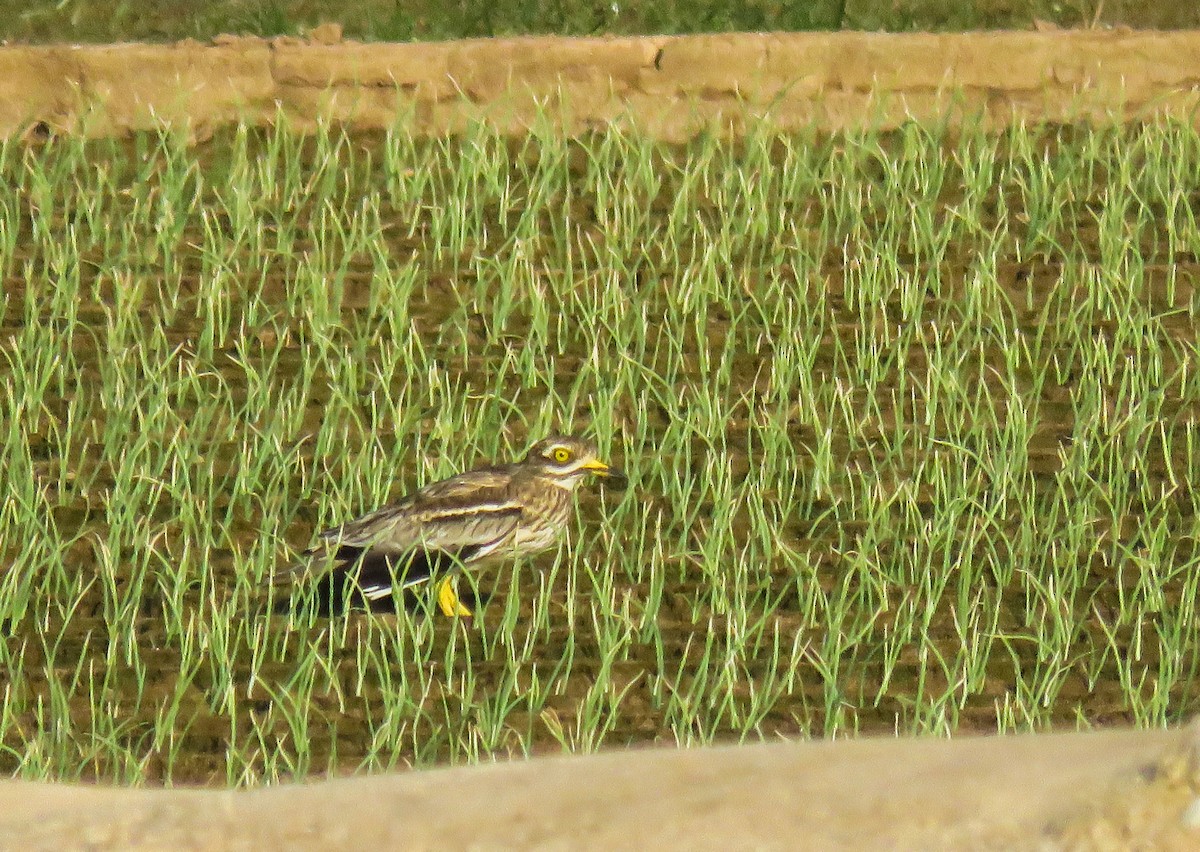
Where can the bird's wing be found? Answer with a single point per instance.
(461, 518)
(466, 511)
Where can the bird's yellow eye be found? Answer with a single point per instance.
(562, 455)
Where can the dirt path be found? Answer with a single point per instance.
(670, 86)
(1094, 790)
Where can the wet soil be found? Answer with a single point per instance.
(690, 624)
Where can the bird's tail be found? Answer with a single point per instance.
(316, 583)
(332, 594)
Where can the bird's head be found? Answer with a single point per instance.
(567, 461)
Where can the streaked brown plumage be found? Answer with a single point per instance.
(484, 515)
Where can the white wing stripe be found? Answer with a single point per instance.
(477, 509)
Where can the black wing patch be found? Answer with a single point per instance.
(364, 578)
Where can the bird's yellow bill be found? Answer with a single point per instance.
(448, 599)
(615, 477)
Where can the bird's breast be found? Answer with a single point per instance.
(545, 511)
(534, 540)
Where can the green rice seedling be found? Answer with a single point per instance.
(908, 417)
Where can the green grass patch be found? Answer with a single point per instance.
(405, 20)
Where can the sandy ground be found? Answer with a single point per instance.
(671, 87)
(1102, 790)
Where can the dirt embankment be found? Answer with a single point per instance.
(1107, 790)
(671, 86)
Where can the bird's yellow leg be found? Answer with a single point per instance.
(448, 598)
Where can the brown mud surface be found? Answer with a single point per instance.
(670, 86)
(1105, 790)
(1097, 790)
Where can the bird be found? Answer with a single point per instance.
(479, 517)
